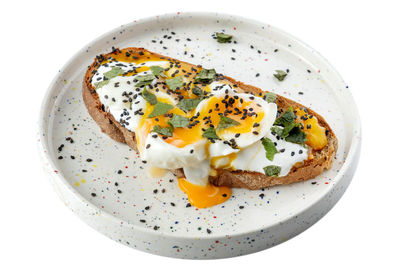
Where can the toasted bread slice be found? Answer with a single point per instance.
(318, 161)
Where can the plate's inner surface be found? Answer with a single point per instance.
(111, 176)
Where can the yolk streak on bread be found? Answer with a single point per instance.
(315, 133)
(204, 196)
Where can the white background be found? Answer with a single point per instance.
(359, 38)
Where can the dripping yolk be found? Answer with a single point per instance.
(204, 196)
(315, 133)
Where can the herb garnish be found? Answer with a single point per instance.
(205, 75)
(149, 97)
(101, 84)
(270, 97)
(296, 135)
(144, 79)
(210, 133)
(167, 131)
(226, 122)
(280, 75)
(270, 149)
(197, 91)
(178, 121)
(188, 104)
(223, 37)
(174, 83)
(157, 71)
(291, 131)
(114, 72)
(272, 170)
(160, 109)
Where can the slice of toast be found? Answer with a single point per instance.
(319, 160)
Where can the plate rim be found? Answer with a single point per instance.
(351, 158)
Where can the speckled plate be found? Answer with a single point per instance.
(105, 183)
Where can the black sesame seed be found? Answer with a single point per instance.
(208, 231)
(119, 191)
(116, 184)
(224, 195)
(188, 205)
(155, 191)
(60, 157)
(93, 194)
(147, 207)
(119, 172)
(241, 207)
(89, 160)
(142, 221)
(156, 227)
(172, 204)
(292, 154)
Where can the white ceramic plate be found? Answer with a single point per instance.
(123, 205)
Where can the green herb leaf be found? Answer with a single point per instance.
(278, 131)
(160, 109)
(149, 97)
(270, 149)
(270, 97)
(223, 37)
(188, 104)
(114, 72)
(197, 91)
(167, 131)
(205, 75)
(291, 131)
(286, 118)
(272, 170)
(157, 71)
(101, 84)
(210, 133)
(296, 135)
(280, 75)
(226, 122)
(174, 83)
(144, 79)
(178, 121)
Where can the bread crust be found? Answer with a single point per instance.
(320, 160)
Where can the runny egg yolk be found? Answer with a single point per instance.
(244, 112)
(204, 196)
(315, 133)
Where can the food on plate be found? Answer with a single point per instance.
(212, 132)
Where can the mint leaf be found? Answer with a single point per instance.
(205, 75)
(296, 135)
(272, 170)
(210, 133)
(223, 37)
(101, 84)
(197, 91)
(270, 97)
(149, 97)
(114, 72)
(270, 149)
(286, 118)
(291, 131)
(144, 79)
(174, 83)
(167, 131)
(278, 131)
(160, 109)
(178, 121)
(157, 71)
(226, 122)
(188, 104)
(280, 75)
